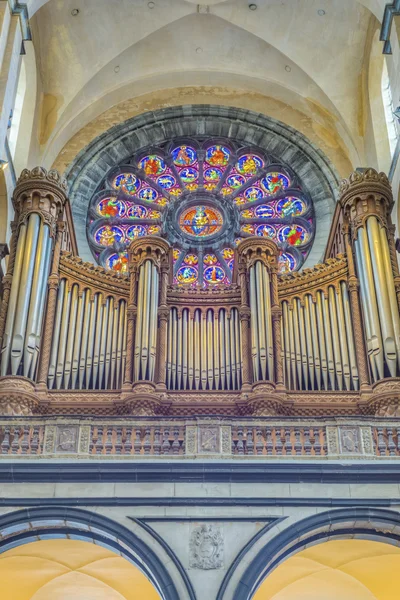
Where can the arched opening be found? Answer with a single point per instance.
(20, 132)
(349, 569)
(379, 527)
(102, 539)
(70, 568)
(377, 145)
(391, 125)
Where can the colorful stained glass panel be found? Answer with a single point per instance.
(290, 207)
(128, 183)
(274, 183)
(118, 262)
(107, 236)
(201, 221)
(218, 156)
(249, 164)
(184, 156)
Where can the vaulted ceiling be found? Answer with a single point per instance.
(300, 61)
(345, 569)
(70, 569)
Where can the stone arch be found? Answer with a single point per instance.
(283, 142)
(360, 523)
(27, 525)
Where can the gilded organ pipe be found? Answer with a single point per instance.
(36, 307)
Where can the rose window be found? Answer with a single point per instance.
(204, 197)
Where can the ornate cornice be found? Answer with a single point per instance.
(42, 192)
(88, 275)
(365, 194)
(152, 248)
(308, 281)
(197, 297)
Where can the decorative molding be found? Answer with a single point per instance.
(260, 471)
(98, 279)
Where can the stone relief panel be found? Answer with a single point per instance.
(206, 547)
(209, 442)
(67, 439)
(350, 442)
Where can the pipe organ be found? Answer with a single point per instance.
(264, 343)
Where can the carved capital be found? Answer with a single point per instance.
(40, 191)
(252, 249)
(163, 313)
(365, 194)
(151, 248)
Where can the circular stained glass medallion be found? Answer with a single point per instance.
(128, 183)
(184, 156)
(201, 221)
(186, 275)
(214, 274)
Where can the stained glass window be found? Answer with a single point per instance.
(204, 196)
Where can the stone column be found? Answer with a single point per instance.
(139, 394)
(250, 252)
(276, 328)
(163, 314)
(244, 315)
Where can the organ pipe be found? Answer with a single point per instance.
(87, 326)
(146, 322)
(36, 306)
(318, 342)
(261, 322)
(203, 350)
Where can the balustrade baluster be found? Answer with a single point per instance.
(166, 445)
(24, 445)
(157, 442)
(234, 440)
(381, 441)
(278, 441)
(118, 441)
(391, 445)
(147, 442)
(35, 440)
(5, 444)
(15, 442)
(249, 441)
(240, 444)
(307, 444)
(108, 444)
(259, 443)
(398, 439)
(297, 443)
(128, 441)
(288, 442)
(99, 440)
(137, 444)
(269, 444)
(312, 441)
(175, 444)
(317, 442)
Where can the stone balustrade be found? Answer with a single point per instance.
(141, 437)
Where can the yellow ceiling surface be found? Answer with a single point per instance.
(336, 570)
(70, 570)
